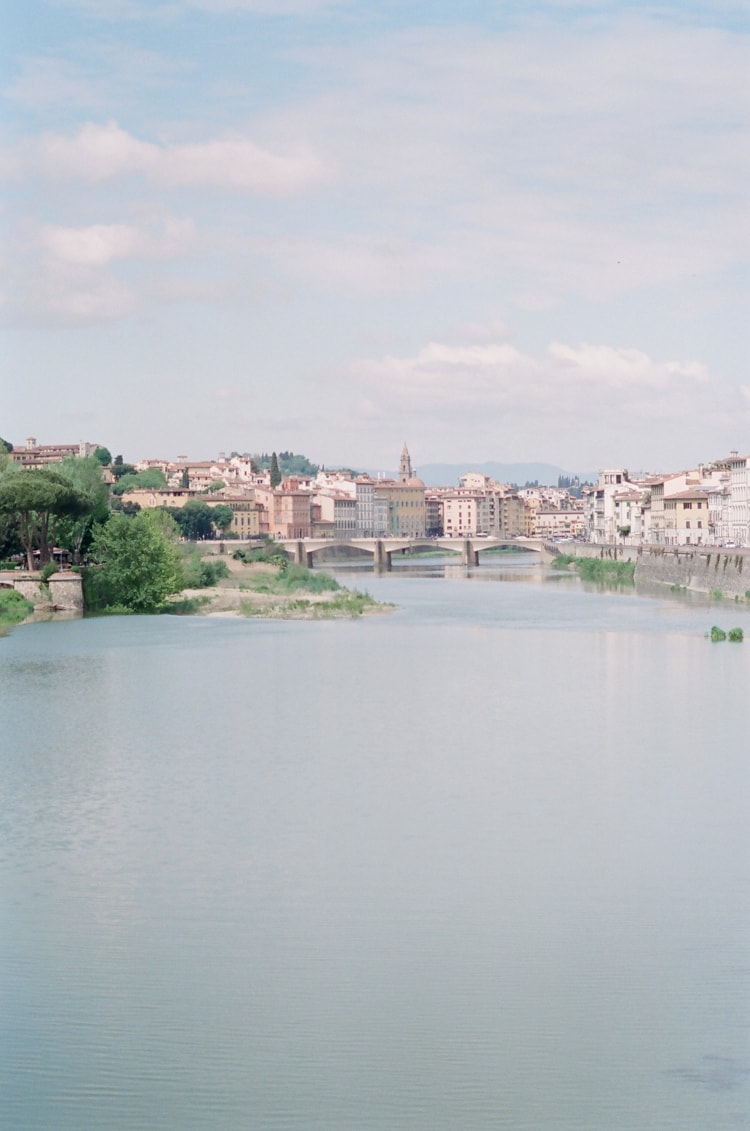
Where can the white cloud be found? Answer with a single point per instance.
(99, 244)
(581, 406)
(566, 382)
(233, 162)
(236, 163)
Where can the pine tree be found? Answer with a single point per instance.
(275, 471)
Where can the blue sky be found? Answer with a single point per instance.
(503, 231)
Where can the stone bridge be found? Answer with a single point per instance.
(303, 551)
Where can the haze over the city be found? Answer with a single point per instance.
(511, 231)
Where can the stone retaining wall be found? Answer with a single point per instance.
(64, 589)
(703, 569)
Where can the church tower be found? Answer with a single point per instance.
(404, 467)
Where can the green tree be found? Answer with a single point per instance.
(152, 479)
(10, 541)
(73, 532)
(119, 468)
(221, 516)
(275, 470)
(185, 478)
(103, 456)
(5, 446)
(195, 520)
(35, 497)
(139, 562)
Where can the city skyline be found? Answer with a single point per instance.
(519, 235)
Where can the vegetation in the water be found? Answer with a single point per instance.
(13, 608)
(598, 569)
(735, 635)
(346, 603)
(717, 594)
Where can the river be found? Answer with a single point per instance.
(481, 863)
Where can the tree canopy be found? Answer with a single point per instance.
(73, 532)
(152, 479)
(34, 497)
(119, 468)
(195, 520)
(140, 560)
(221, 516)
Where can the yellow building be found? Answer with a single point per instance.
(686, 518)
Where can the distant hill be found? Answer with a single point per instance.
(447, 474)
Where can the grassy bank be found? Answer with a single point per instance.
(604, 570)
(14, 608)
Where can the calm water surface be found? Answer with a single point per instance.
(482, 863)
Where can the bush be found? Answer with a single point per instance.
(13, 607)
(48, 570)
(299, 577)
(269, 554)
(197, 574)
(598, 569)
(718, 634)
(736, 635)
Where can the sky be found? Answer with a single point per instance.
(498, 229)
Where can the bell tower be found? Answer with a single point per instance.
(404, 468)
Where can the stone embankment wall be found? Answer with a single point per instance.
(64, 590)
(595, 550)
(703, 568)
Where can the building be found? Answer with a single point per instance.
(401, 503)
(287, 510)
(686, 518)
(739, 496)
(41, 455)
